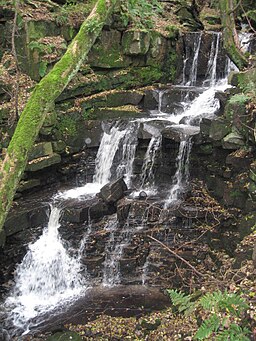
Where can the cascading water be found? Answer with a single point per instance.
(129, 144)
(205, 105)
(147, 174)
(181, 176)
(106, 153)
(47, 276)
(193, 71)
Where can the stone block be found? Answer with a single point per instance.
(28, 184)
(219, 129)
(107, 51)
(43, 162)
(40, 149)
(233, 140)
(135, 42)
(113, 191)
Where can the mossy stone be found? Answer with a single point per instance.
(43, 162)
(135, 42)
(107, 51)
(40, 149)
(28, 184)
(219, 128)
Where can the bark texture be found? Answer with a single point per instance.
(231, 42)
(42, 98)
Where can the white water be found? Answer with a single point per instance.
(47, 276)
(181, 176)
(129, 145)
(193, 71)
(106, 153)
(147, 174)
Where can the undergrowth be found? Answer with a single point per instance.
(221, 315)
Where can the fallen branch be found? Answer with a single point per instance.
(176, 255)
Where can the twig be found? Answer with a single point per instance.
(176, 255)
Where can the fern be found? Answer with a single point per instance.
(209, 326)
(234, 333)
(218, 301)
(181, 301)
(220, 307)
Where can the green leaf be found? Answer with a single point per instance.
(209, 326)
(42, 68)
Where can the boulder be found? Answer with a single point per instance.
(113, 191)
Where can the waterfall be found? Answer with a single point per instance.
(114, 251)
(147, 174)
(180, 179)
(47, 276)
(212, 62)
(193, 71)
(129, 144)
(106, 153)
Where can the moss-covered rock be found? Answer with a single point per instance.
(219, 129)
(28, 184)
(233, 140)
(43, 162)
(135, 42)
(40, 149)
(107, 51)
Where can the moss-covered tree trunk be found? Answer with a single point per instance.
(42, 98)
(230, 37)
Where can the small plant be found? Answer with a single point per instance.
(239, 99)
(140, 13)
(221, 314)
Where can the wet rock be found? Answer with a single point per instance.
(113, 191)
(28, 184)
(240, 159)
(142, 195)
(100, 209)
(123, 208)
(128, 265)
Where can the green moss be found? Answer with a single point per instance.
(67, 125)
(173, 31)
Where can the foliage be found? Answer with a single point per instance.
(73, 8)
(140, 13)
(220, 312)
(239, 99)
(67, 126)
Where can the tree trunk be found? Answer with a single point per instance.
(230, 37)
(41, 99)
